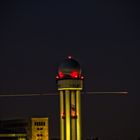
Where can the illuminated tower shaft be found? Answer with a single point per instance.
(70, 84)
(70, 109)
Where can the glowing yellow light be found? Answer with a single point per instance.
(69, 88)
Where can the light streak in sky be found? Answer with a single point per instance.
(55, 94)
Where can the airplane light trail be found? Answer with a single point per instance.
(54, 94)
(109, 92)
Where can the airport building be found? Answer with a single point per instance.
(24, 129)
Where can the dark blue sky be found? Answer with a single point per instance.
(35, 36)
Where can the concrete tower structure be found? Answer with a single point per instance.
(70, 84)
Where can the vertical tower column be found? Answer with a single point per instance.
(78, 110)
(67, 112)
(73, 115)
(62, 113)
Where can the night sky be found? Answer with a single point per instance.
(36, 36)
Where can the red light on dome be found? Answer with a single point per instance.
(74, 74)
(61, 75)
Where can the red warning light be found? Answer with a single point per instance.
(74, 74)
(61, 75)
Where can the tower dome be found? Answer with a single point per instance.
(69, 68)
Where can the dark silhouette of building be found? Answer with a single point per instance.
(24, 129)
(17, 129)
(94, 138)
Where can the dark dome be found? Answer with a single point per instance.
(69, 65)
